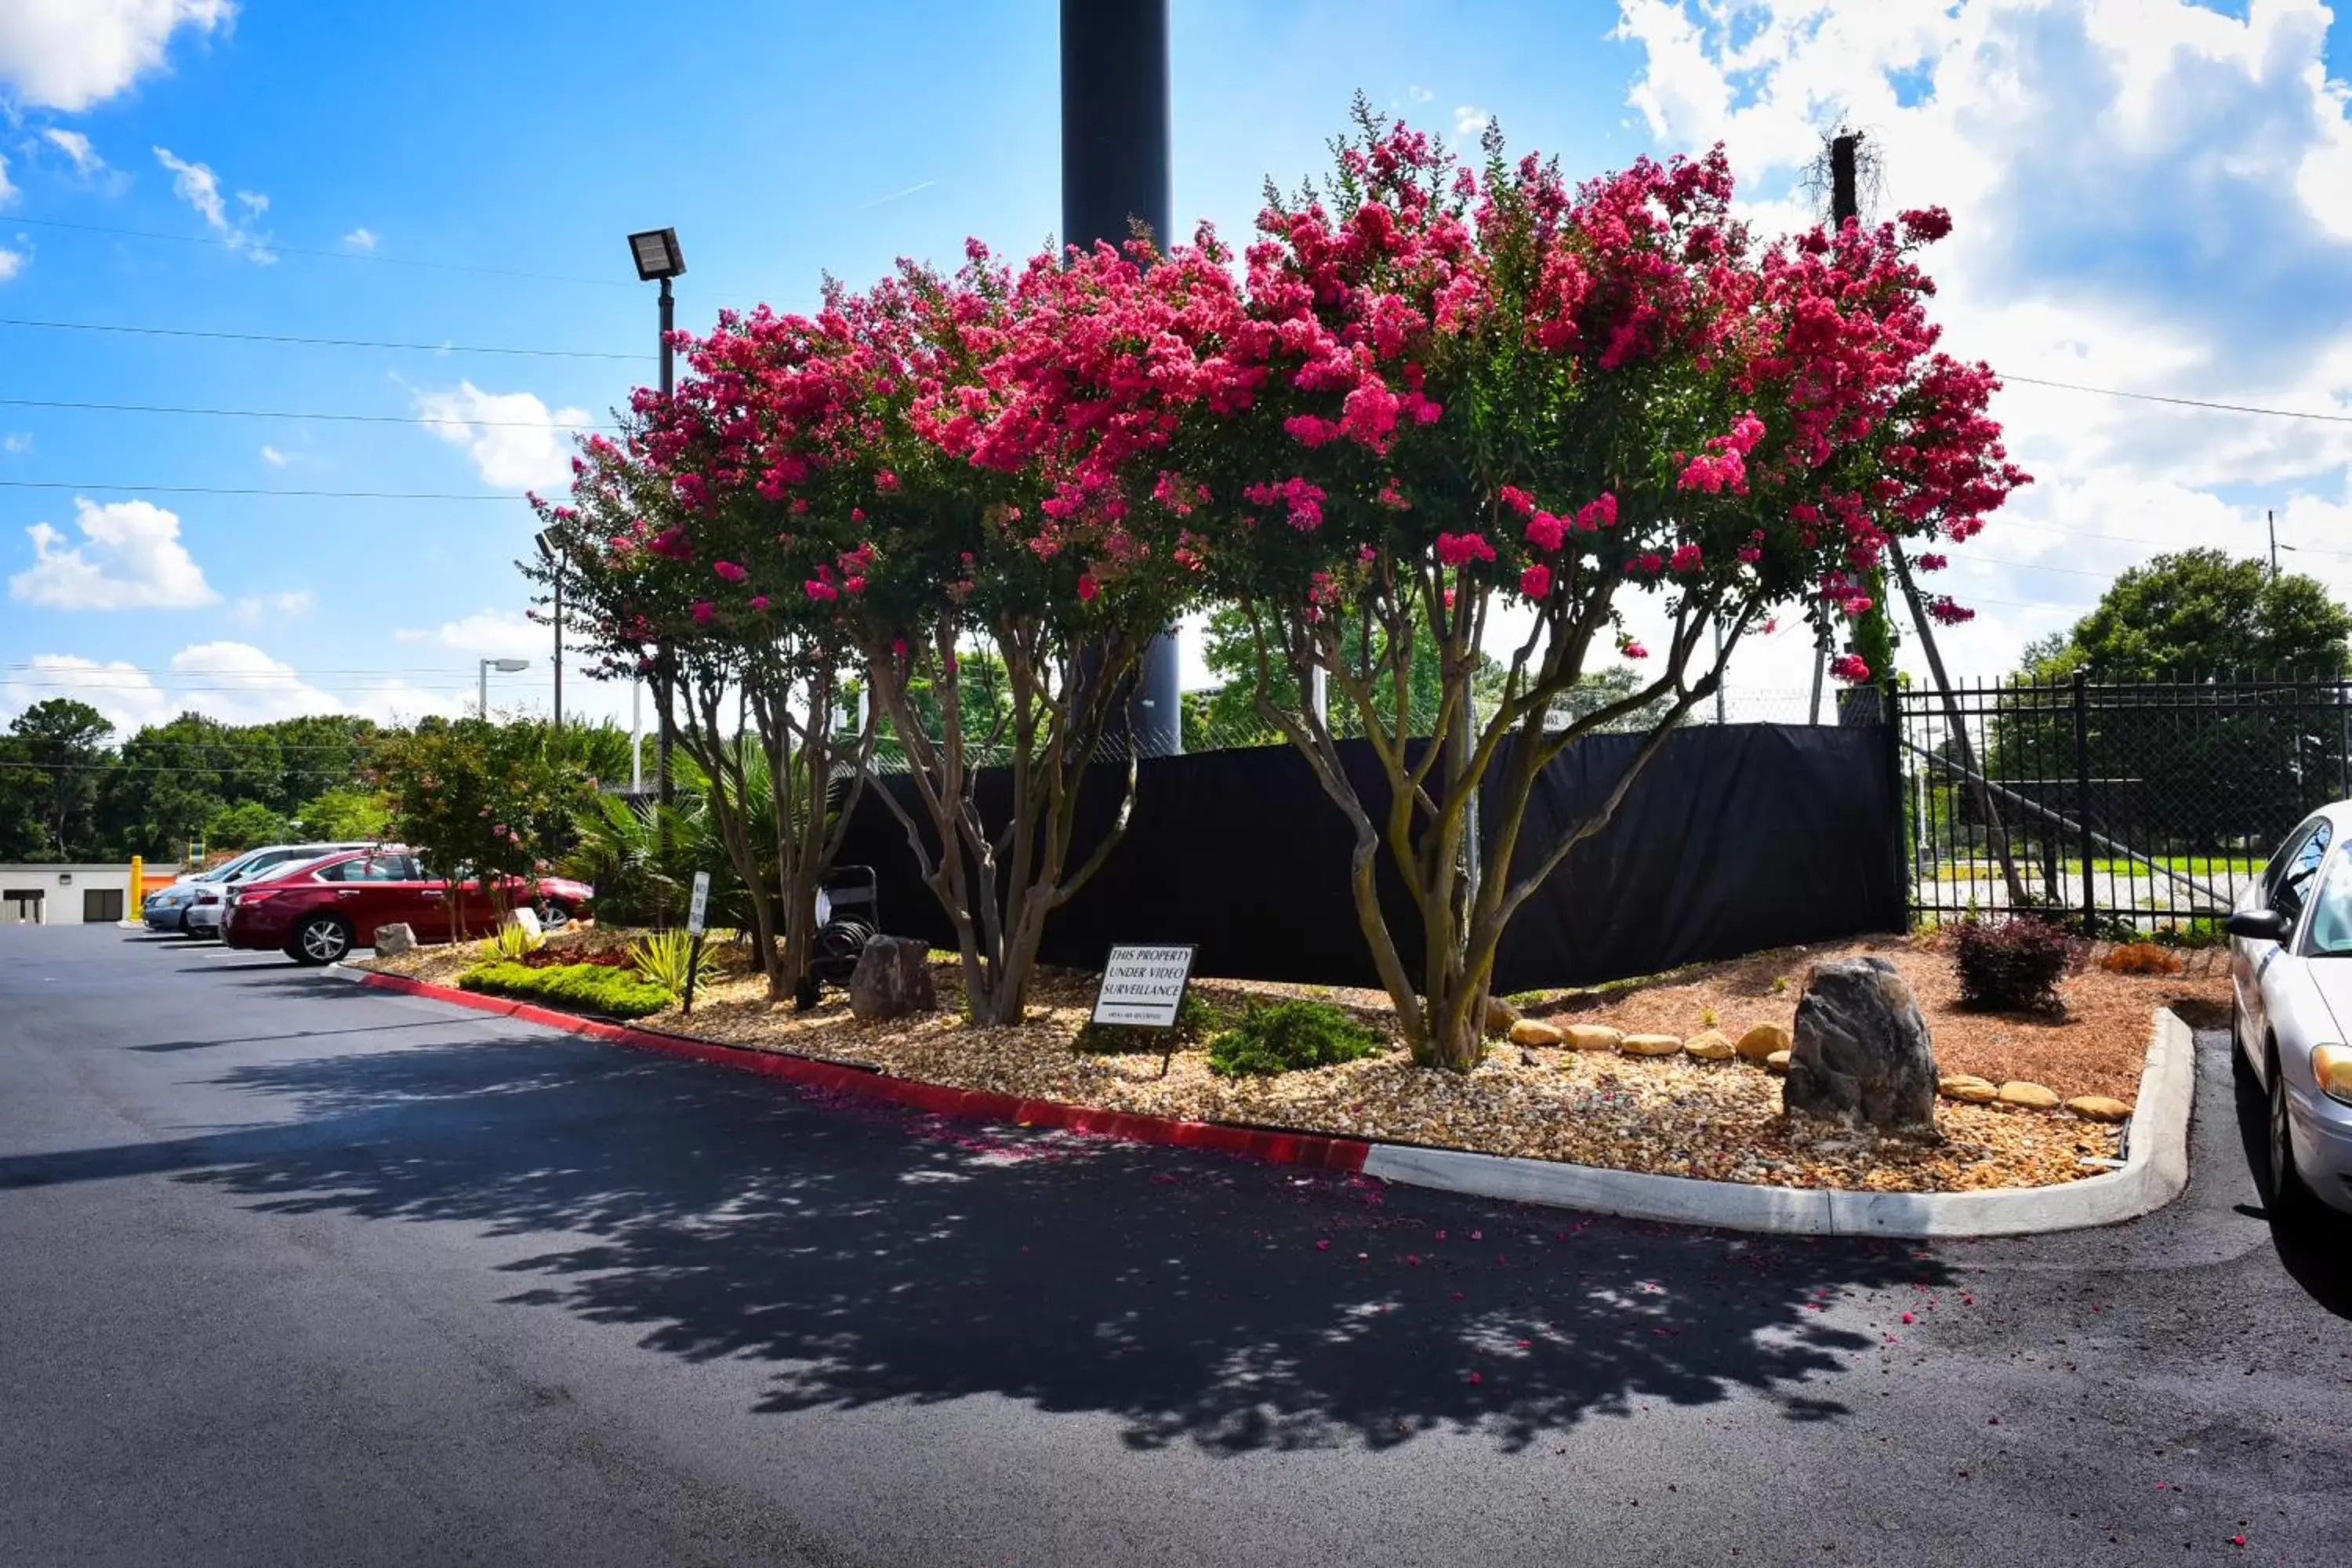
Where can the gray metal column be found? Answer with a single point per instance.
(1115, 174)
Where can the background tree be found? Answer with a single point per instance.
(56, 756)
(2201, 615)
(2190, 617)
(482, 800)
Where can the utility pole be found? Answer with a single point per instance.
(2270, 520)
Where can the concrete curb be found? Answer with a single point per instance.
(2154, 1171)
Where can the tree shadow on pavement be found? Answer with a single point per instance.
(871, 1253)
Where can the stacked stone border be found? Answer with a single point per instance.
(2153, 1172)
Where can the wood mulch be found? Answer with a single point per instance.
(1674, 1116)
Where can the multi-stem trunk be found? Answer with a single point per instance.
(999, 885)
(1455, 802)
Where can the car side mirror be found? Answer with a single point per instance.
(2258, 925)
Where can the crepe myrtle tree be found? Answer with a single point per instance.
(1480, 409)
(996, 575)
(750, 679)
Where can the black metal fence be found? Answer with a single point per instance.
(2125, 807)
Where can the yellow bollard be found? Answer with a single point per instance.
(136, 910)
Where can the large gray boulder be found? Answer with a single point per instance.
(892, 979)
(392, 940)
(1862, 1056)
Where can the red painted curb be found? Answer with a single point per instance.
(1315, 1150)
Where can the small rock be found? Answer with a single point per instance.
(1500, 1015)
(2098, 1108)
(393, 939)
(1528, 1032)
(1708, 1046)
(1759, 1043)
(1776, 1062)
(1649, 1044)
(2027, 1096)
(892, 979)
(1592, 1037)
(1967, 1088)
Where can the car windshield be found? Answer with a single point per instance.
(2331, 911)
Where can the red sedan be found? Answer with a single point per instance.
(318, 913)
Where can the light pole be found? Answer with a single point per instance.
(504, 666)
(657, 255)
(555, 567)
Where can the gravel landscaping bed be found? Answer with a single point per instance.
(1673, 1115)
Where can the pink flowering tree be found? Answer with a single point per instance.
(697, 599)
(1478, 408)
(924, 480)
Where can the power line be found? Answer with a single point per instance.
(277, 249)
(252, 490)
(2181, 402)
(316, 343)
(2152, 543)
(291, 414)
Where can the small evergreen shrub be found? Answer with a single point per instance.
(2195, 933)
(2010, 965)
(1195, 1021)
(587, 987)
(1289, 1037)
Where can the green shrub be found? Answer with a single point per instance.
(2013, 964)
(1195, 1021)
(2196, 933)
(662, 958)
(592, 988)
(1288, 1036)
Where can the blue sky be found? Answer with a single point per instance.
(2186, 229)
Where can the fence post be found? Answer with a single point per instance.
(2082, 802)
(1890, 718)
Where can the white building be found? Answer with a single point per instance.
(57, 895)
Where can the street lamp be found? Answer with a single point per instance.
(656, 251)
(555, 567)
(504, 666)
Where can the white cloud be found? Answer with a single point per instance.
(70, 53)
(129, 558)
(2147, 195)
(125, 693)
(7, 191)
(273, 458)
(1470, 122)
(254, 609)
(487, 634)
(16, 441)
(509, 434)
(196, 185)
(1418, 93)
(239, 684)
(76, 146)
(361, 239)
(10, 261)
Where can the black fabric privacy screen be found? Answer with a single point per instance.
(1734, 837)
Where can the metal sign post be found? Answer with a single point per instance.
(695, 911)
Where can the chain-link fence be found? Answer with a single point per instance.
(2139, 806)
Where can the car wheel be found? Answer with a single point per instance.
(2288, 1197)
(557, 917)
(322, 939)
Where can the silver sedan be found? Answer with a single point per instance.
(2291, 973)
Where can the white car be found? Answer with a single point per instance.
(2291, 1015)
